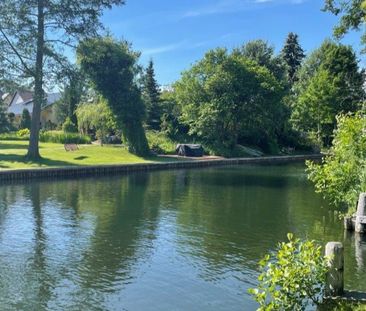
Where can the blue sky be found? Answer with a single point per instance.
(177, 33)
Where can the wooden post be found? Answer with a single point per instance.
(349, 223)
(334, 281)
(360, 224)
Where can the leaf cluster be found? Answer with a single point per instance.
(292, 277)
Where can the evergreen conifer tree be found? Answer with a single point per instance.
(293, 55)
(151, 96)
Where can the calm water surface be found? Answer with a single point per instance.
(173, 240)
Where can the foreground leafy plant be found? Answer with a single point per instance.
(291, 278)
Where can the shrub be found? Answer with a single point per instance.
(23, 133)
(342, 175)
(291, 278)
(13, 136)
(69, 127)
(25, 121)
(64, 138)
(160, 143)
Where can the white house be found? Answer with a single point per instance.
(24, 100)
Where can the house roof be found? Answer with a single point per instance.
(26, 101)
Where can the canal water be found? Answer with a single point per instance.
(169, 240)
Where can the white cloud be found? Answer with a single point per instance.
(163, 48)
(231, 6)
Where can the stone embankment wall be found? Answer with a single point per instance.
(101, 170)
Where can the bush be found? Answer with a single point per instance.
(160, 143)
(25, 120)
(291, 278)
(13, 136)
(342, 175)
(69, 127)
(64, 138)
(23, 133)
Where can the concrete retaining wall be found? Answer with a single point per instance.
(100, 170)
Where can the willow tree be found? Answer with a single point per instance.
(112, 67)
(33, 35)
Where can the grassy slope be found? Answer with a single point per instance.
(54, 155)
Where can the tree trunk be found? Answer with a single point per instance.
(33, 148)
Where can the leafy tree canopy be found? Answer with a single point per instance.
(329, 83)
(111, 66)
(227, 99)
(263, 53)
(353, 15)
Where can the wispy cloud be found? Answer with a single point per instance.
(231, 6)
(163, 48)
(185, 45)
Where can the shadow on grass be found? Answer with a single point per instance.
(15, 146)
(81, 158)
(17, 159)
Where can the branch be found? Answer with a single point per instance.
(16, 52)
(62, 42)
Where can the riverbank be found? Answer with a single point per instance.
(100, 170)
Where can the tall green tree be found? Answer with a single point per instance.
(352, 13)
(263, 53)
(292, 54)
(112, 66)
(33, 34)
(330, 82)
(72, 93)
(227, 99)
(151, 97)
(96, 116)
(25, 120)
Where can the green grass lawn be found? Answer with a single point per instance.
(54, 155)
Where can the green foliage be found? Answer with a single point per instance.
(23, 133)
(263, 54)
(292, 54)
(69, 126)
(13, 136)
(342, 175)
(226, 100)
(97, 117)
(111, 66)
(151, 97)
(329, 83)
(171, 124)
(291, 278)
(64, 138)
(160, 143)
(5, 125)
(353, 15)
(32, 35)
(71, 96)
(25, 120)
